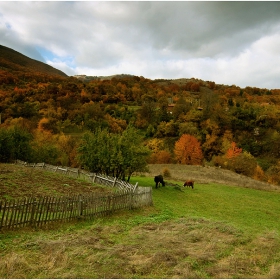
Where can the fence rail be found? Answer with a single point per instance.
(39, 211)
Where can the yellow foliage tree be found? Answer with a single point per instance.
(160, 157)
(155, 144)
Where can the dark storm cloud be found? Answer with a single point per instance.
(194, 27)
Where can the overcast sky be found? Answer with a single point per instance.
(225, 42)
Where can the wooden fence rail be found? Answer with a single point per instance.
(39, 211)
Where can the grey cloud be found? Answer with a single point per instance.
(11, 39)
(195, 29)
(189, 26)
(158, 37)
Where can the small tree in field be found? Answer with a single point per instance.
(188, 150)
(118, 155)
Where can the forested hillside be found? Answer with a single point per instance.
(187, 121)
(15, 61)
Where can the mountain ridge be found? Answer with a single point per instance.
(11, 59)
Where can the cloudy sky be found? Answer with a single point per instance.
(225, 42)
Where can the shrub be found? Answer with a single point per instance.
(259, 174)
(166, 172)
(244, 164)
(273, 174)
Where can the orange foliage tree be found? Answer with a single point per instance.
(233, 151)
(188, 150)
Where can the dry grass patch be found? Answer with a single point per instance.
(19, 181)
(184, 248)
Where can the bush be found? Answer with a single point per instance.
(273, 174)
(259, 174)
(166, 172)
(244, 164)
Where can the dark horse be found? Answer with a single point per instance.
(159, 180)
(189, 183)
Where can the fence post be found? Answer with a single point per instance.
(112, 203)
(94, 177)
(3, 213)
(80, 207)
(115, 180)
(135, 187)
(34, 203)
(134, 200)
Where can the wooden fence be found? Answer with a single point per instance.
(37, 212)
(88, 176)
(40, 211)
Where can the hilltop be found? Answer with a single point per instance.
(86, 78)
(15, 61)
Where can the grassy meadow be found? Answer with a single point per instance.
(251, 210)
(212, 231)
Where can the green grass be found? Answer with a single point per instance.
(211, 231)
(251, 210)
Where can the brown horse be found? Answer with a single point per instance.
(189, 183)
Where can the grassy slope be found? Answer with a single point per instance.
(212, 231)
(252, 210)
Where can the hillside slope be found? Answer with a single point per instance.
(13, 60)
(207, 174)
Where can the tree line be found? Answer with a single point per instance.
(167, 115)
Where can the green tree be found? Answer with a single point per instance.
(181, 107)
(45, 147)
(15, 144)
(148, 109)
(133, 151)
(5, 145)
(118, 155)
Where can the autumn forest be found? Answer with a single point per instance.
(47, 116)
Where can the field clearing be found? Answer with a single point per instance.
(215, 230)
